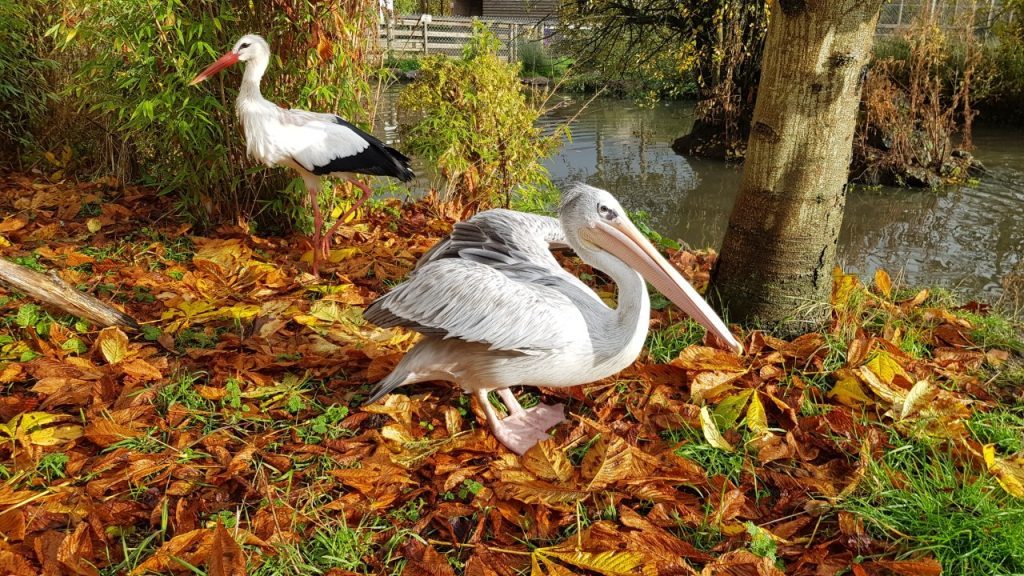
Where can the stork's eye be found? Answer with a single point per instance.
(243, 46)
(606, 212)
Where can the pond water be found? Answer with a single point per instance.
(966, 238)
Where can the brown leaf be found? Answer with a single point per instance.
(611, 459)
(226, 557)
(16, 565)
(113, 344)
(141, 370)
(104, 432)
(423, 560)
(883, 282)
(926, 567)
(548, 461)
(706, 358)
(741, 563)
(76, 552)
(192, 547)
(12, 525)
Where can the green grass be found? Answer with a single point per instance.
(665, 344)
(919, 499)
(1003, 427)
(181, 390)
(714, 461)
(994, 331)
(331, 546)
(53, 466)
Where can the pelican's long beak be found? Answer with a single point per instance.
(625, 241)
(221, 63)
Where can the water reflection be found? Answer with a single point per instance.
(967, 238)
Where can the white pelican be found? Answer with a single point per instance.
(497, 310)
(311, 143)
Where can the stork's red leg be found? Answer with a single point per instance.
(330, 232)
(318, 224)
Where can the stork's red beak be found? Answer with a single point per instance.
(221, 63)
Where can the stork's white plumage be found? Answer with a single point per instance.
(312, 143)
(497, 310)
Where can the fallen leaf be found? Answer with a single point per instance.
(1009, 473)
(548, 461)
(113, 344)
(711, 433)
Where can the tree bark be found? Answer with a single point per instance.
(52, 291)
(779, 250)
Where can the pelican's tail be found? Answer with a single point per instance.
(398, 377)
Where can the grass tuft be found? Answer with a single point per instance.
(918, 498)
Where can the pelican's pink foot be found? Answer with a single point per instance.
(523, 427)
(521, 430)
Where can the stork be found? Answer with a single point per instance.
(313, 144)
(497, 310)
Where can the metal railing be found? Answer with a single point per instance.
(898, 15)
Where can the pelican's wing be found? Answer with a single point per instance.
(530, 236)
(506, 304)
(327, 144)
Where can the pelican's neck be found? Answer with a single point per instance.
(631, 317)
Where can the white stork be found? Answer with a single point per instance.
(497, 310)
(312, 143)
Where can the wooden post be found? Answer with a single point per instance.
(53, 291)
(426, 39)
(991, 11)
(390, 34)
(513, 43)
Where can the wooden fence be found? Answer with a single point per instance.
(447, 34)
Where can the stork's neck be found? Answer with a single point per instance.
(629, 321)
(254, 69)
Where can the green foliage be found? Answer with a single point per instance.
(332, 546)
(671, 48)
(994, 331)
(23, 67)
(665, 344)
(133, 60)
(53, 466)
(715, 461)
(918, 497)
(1007, 57)
(476, 124)
(536, 60)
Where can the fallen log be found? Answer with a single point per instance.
(54, 292)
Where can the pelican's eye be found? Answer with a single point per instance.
(243, 46)
(606, 212)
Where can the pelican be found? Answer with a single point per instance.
(497, 310)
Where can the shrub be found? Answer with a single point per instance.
(476, 124)
(137, 56)
(536, 60)
(918, 99)
(23, 86)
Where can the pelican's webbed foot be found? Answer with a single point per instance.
(523, 427)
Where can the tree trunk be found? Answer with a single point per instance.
(779, 250)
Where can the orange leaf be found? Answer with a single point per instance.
(113, 343)
(547, 461)
(928, 567)
(707, 358)
(225, 558)
(883, 282)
